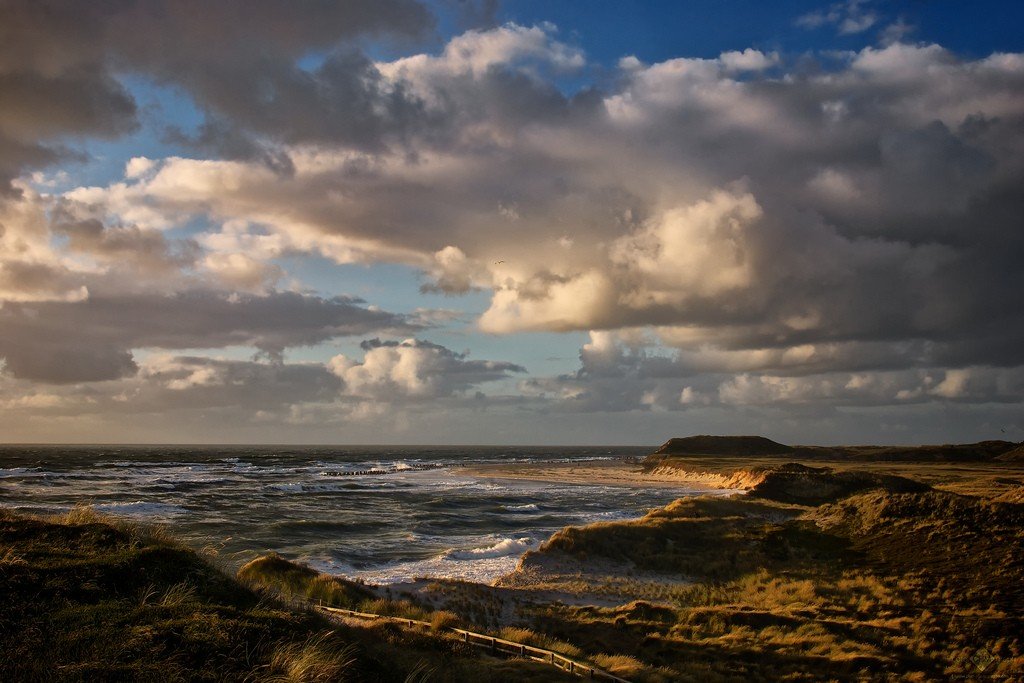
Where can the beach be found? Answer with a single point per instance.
(619, 472)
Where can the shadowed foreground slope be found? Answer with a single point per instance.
(87, 598)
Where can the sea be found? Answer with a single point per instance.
(381, 514)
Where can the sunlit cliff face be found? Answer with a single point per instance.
(345, 223)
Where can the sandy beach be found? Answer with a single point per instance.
(600, 472)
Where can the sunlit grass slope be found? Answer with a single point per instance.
(893, 583)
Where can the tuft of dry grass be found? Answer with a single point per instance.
(321, 658)
(529, 637)
(177, 595)
(442, 620)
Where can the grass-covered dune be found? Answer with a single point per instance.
(804, 485)
(845, 573)
(89, 598)
(888, 580)
(816, 573)
(737, 447)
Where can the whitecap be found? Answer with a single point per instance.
(8, 472)
(525, 507)
(503, 548)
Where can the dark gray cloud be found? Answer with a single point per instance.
(92, 340)
(59, 60)
(38, 111)
(148, 252)
(196, 382)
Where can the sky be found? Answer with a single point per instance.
(518, 222)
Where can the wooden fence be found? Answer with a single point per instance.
(494, 645)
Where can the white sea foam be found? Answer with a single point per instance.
(8, 472)
(503, 548)
(482, 564)
(308, 487)
(525, 507)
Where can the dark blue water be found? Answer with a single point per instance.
(382, 514)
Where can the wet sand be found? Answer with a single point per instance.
(600, 472)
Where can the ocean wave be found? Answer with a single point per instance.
(8, 472)
(146, 464)
(158, 486)
(308, 487)
(428, 518)
(525, 507)
(140, 508)
(503, 548)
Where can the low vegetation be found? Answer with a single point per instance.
(744, 447)
(807, 577)
(898, 582)
(886, 571)
(90, 598)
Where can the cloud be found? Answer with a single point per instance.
(394, 382)
(190, 382)
(631, 372)
(748, 60)
(30, 269)
(746, 229)
(60, 63)
(414, 369)
(37, 342)
(849, 17)
(864, 203)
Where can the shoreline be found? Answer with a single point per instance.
(599, 473)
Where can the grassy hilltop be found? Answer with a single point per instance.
(682, 448)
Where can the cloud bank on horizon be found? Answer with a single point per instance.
(815, 244)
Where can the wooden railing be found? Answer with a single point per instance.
(495, 645)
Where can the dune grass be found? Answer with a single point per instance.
(92, 598)
(881, 585)
(825, 575)
(894, 582)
